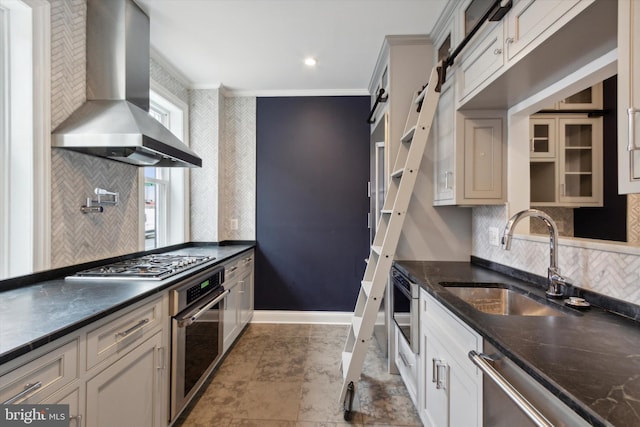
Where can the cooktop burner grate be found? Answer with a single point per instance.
(148, 267)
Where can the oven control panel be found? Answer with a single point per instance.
(205, 286)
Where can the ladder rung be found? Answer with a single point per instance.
(397, 173)
(366, 286)
(420, 96)
(356, 323)
(377, 249)
(407, 137)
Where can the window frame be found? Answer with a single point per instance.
(25, 182)
(176, 218)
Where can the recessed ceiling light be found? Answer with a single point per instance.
(310, 62)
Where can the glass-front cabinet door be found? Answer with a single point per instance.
(580, 166)
(542, 143)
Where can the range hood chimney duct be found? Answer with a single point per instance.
(114, 122)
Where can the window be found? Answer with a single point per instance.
(165, 192)
(24, 137)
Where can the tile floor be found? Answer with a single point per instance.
(285, 375)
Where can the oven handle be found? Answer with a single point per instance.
(190, 318)
(402, 289)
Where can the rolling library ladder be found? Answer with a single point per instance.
(385, 242)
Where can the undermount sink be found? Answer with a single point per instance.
(492, 299)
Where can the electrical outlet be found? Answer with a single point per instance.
(494, 236)
(233, 223)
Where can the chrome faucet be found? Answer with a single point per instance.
(553, 274)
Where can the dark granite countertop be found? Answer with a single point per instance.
(588, 359)
(39, 312)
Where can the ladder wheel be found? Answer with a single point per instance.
(348, 402)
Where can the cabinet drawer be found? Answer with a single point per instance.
(457, 337)
(121, 333)
(407, 363)
(53, 371)
(484, 61)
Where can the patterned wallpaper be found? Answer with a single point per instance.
(78, 237)
(167, 81)
(606, 270)
(238, 199)
(205, 106)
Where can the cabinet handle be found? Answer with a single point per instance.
(161, 358)
(480, 360)
(631, 146)
(232, 269)
(434, 370)
(135, 327)
(509, 40)
(28, 388)
(497, 51)
(441, 381)
(532, 145)
(241, 284)
(562, 191)
(446, 180)
(77, 419)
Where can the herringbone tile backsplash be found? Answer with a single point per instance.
(609, 272)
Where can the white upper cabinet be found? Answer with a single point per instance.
(529, 19)
(628, 96)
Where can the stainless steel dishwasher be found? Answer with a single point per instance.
(511, 397)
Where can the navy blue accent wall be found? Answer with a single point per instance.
(311, 214)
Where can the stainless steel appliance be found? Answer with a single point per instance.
(513, 398)
(197, 307)
(406, 308)
(114, 122)
(148, 267)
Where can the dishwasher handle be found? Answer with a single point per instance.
(480, 360)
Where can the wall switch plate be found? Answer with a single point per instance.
(233, 223)
(494, 236)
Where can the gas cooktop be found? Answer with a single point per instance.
(148, 267)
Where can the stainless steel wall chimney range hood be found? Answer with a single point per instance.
(114, 122)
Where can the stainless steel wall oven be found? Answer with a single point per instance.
(406, 308)
(196, 334)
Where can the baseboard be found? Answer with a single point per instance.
(287, 316)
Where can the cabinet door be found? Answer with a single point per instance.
(231, 316)
(484, 60)
(444, 146)
(68, 396)
(587, 99)
(130, 392)
(628, 96)
(580, 167)
(246, 299)
(434, 405)
(542, 137)
(482, 158)
(528, 19)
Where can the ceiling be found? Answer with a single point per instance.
(258, 47)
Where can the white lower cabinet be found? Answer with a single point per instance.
(128, 392)
(238, 304)
(449, 385)
(111, 373)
